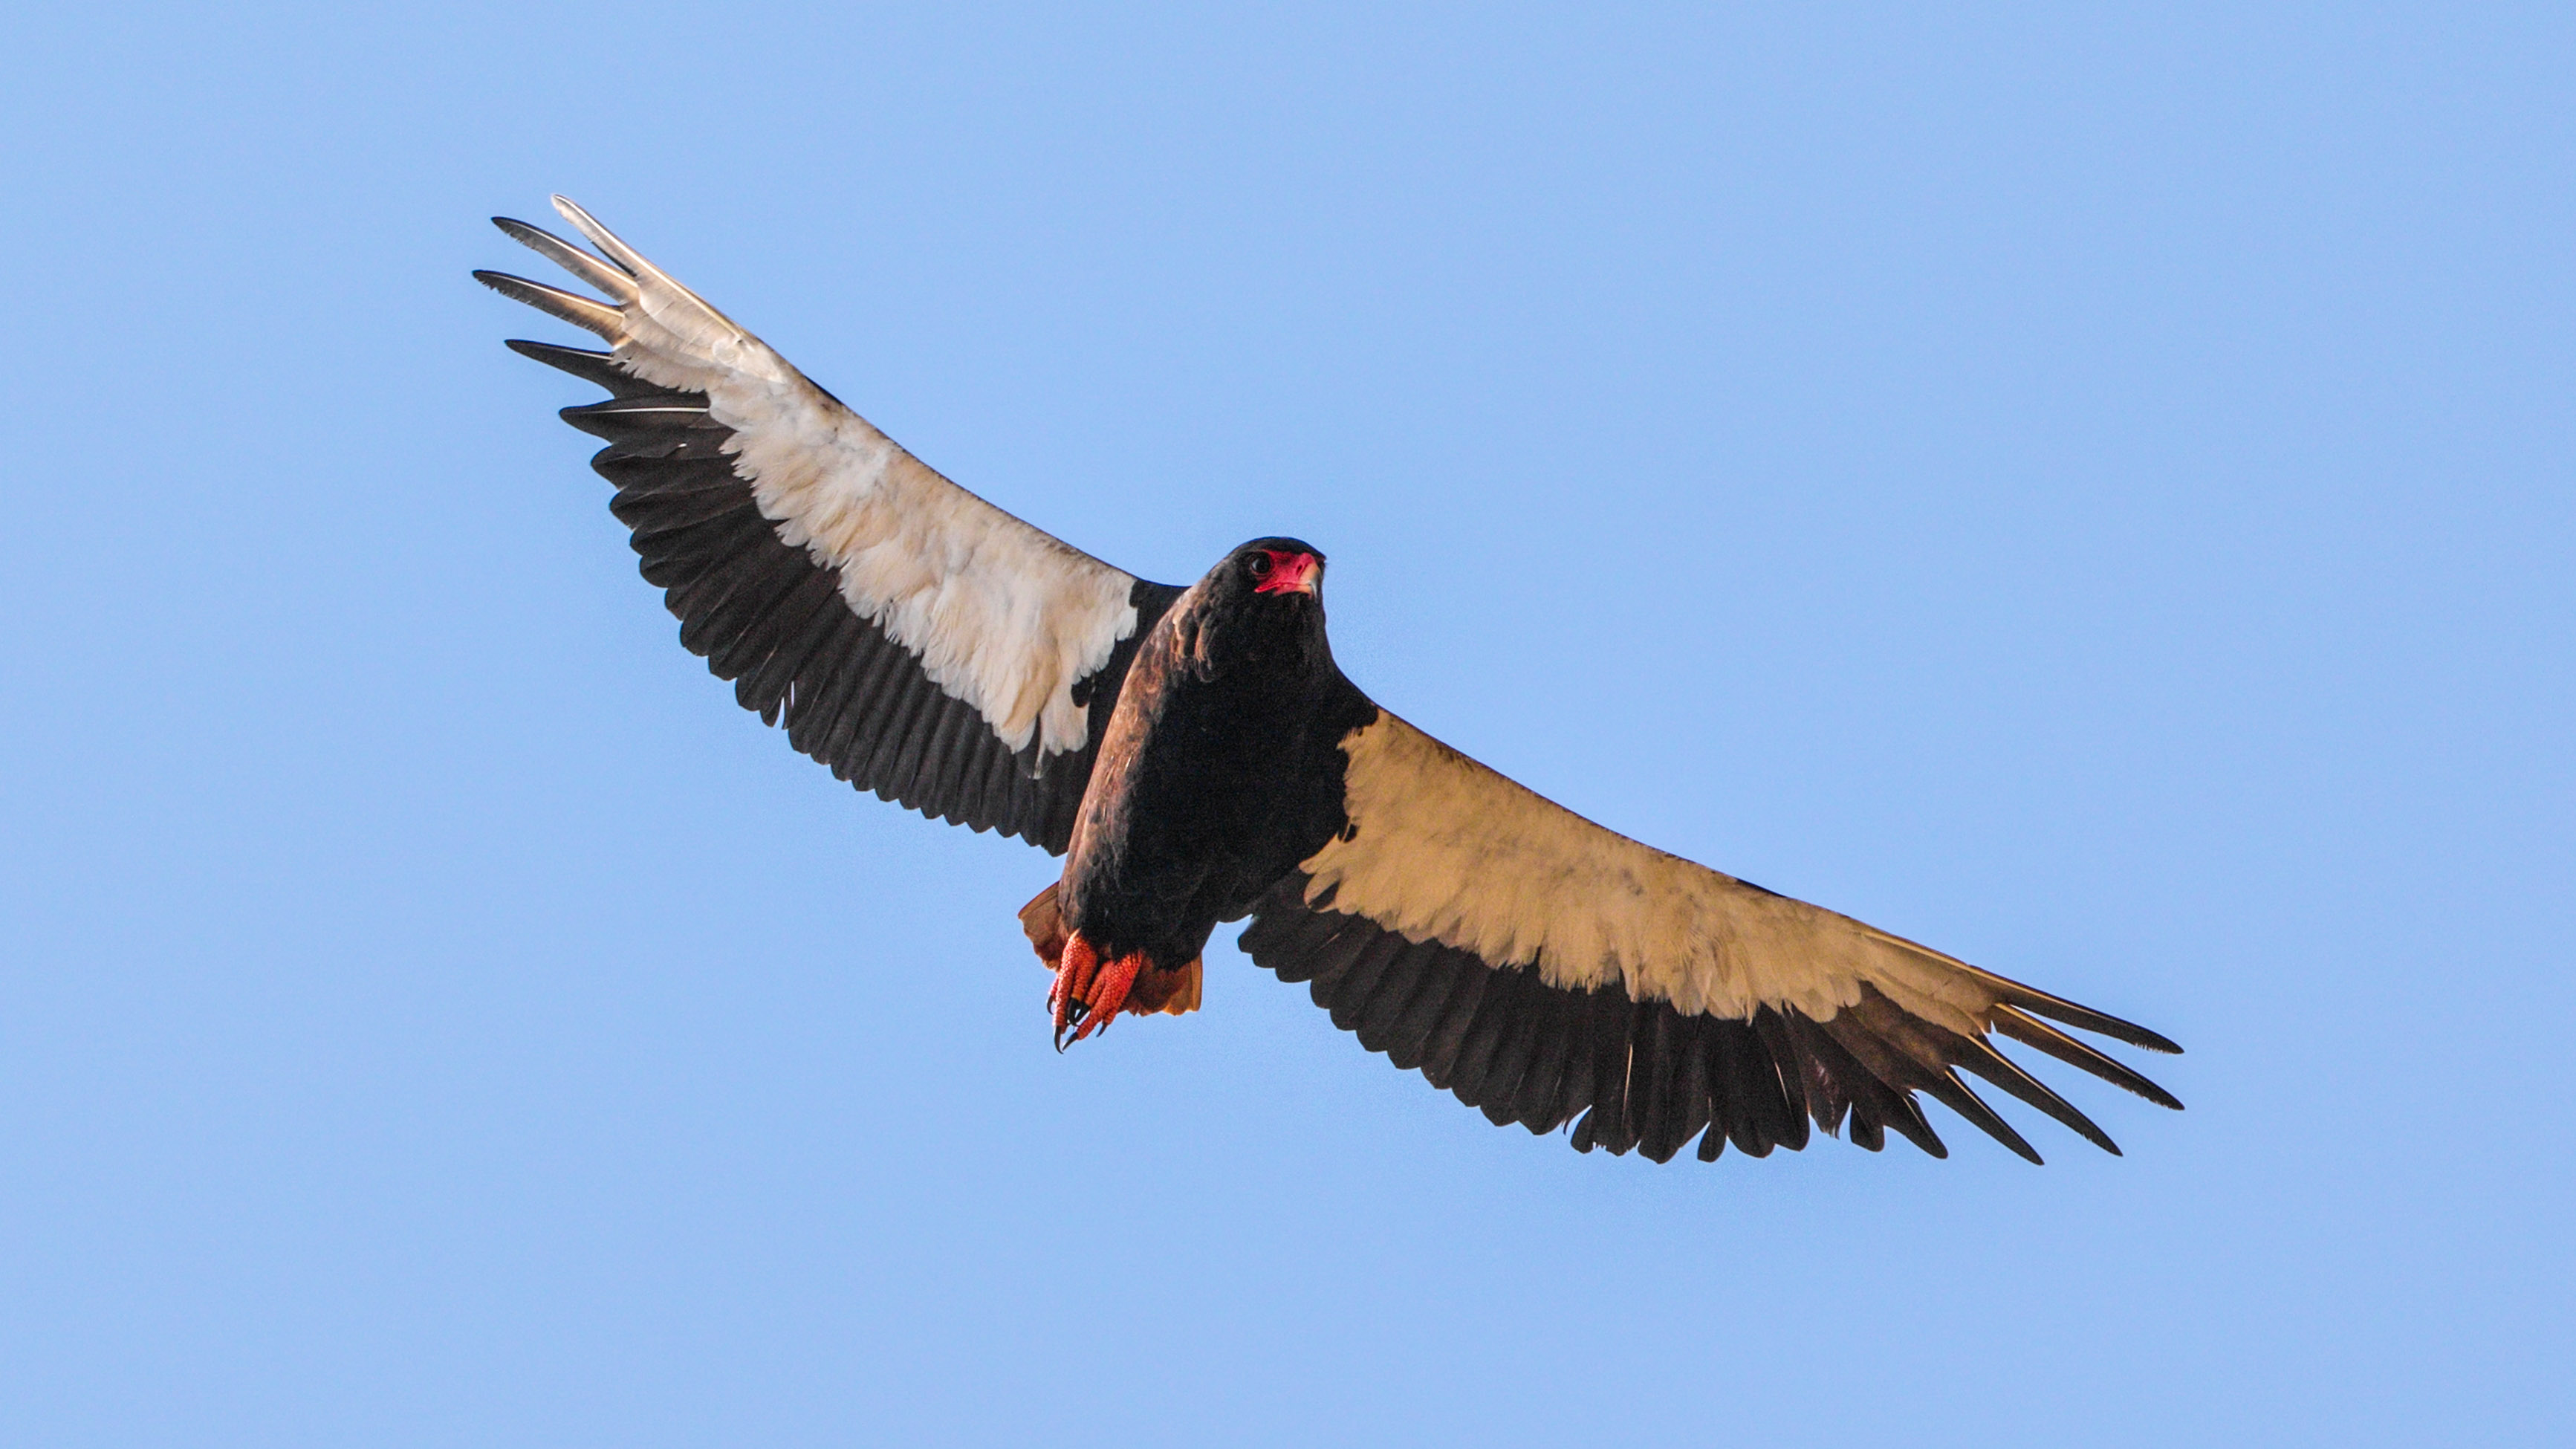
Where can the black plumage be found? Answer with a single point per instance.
(1197, 757)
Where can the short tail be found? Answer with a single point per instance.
(1171, 992)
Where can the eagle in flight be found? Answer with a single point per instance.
(1196, 757)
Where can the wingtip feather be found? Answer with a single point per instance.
(607, 276)
(2031, 998)
(2058, 1008)
(580, 311)
(1946, 1089)
(2031, 1032)
(1981, 1058)
(602, 238)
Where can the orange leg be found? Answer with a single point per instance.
(1088, 991)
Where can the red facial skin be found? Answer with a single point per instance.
(1290, 573)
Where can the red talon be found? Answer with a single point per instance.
(1085, 995)
(1088, 993)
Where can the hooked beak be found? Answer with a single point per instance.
(1291, 573)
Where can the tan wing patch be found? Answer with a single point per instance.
(1447, 850)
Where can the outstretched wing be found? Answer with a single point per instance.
(1543, 968)
(918, 640)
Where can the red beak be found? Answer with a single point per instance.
(1290, 573)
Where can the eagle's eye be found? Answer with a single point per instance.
(1261, 564)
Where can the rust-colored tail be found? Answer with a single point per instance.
(1172, 993)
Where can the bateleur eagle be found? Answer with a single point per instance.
(1197, 758)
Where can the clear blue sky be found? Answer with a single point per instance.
(2092, 492)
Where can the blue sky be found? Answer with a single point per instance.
(2088, 491)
